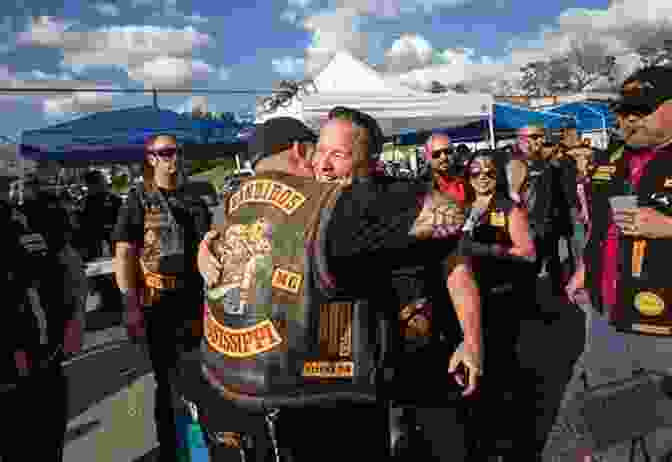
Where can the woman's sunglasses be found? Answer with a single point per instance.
(445, 151)
(164, 153)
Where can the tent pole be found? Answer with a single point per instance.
(491, 125)
(155, 94)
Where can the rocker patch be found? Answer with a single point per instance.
(279, 195)
(241, 343)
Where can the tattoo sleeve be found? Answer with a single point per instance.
(466, 298)
(439, 216)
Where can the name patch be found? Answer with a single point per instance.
(329, 369)
(241, 343)
(668, 183)
(287, 280)
(279, 195)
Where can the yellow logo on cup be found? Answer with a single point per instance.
(649, 304)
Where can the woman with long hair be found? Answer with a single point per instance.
(497, 236)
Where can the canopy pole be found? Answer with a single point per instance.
(155, 95)
(604, 124)
(491, 124)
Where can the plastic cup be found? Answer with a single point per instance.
(620, 203)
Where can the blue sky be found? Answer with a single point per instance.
(244, 44)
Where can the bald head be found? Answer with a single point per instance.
(531, 139)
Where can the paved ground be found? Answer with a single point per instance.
(113, 389)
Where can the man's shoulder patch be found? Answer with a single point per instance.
(265, 191)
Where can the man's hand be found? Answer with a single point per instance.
(576, 285)
(644, 222)
(471, 362)
(73, 339)
(440, 217)
(208, 265)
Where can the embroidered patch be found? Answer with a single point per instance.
(287, 280)
(245, 252)
(241, 343)
(279, 195)
(329, 369)
(668, 183)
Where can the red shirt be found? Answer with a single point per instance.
(610, 275)
(453, 186)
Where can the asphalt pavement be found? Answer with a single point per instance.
(112, 385)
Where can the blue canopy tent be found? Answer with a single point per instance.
(507, 119)
(510, 117)
(589, 116)
(119, 136)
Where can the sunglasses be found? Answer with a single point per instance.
(164, 153)
(445, 151)
(536, 137)
(489, 173)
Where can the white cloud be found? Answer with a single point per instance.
(617, 30)
(158, 56)
(333, 31)
(408, 52)
(57, 104)
(165, 71)
(107, 9)
(288, 65)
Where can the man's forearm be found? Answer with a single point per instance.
(127, 266)
(466, 298)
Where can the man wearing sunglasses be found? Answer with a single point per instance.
(357, 236)
(444, 160)
(157, 234)
(628, 251)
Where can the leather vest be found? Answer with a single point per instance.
(274, 325)
(644, 290)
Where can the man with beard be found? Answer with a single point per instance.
(443, 158)
(157, 235)
(374, 246)
(637, 237)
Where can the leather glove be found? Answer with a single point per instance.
(471, 363)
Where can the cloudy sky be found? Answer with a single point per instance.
(244, 44)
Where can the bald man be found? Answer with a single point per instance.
(443, 158)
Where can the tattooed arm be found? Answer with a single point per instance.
(466, 299)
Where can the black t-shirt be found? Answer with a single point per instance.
(190, 212)
(100, 210)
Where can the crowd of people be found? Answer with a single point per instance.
(327, 292)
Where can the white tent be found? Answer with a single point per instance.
(346, 81)
(398, 114)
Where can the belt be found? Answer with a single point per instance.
(162, 281)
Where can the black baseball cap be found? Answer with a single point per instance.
(645, 90)
(276, 133)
